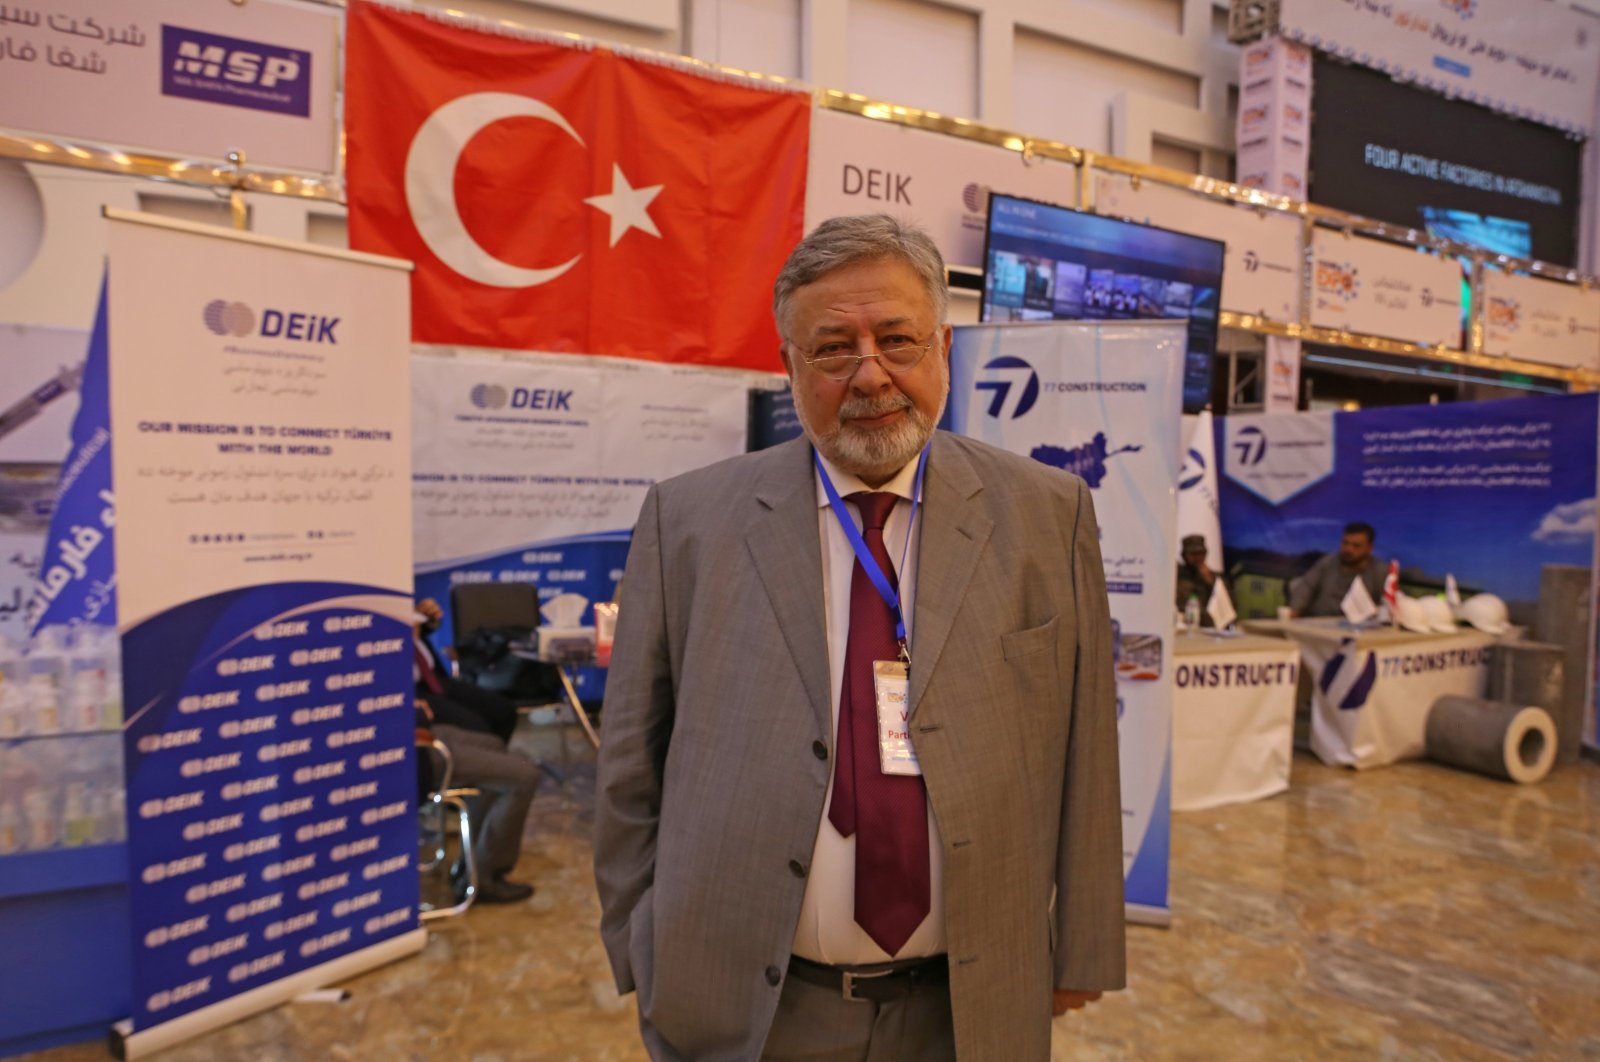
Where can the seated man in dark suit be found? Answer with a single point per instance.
(476, 724)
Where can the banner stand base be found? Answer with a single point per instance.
(128, 1045)
(1144, 915)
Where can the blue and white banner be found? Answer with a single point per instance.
(261, 446)
(77, 581)
(534, 471)
(1534, 60)
(1488, 491)
(1103, 401)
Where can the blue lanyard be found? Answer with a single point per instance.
(869, 563)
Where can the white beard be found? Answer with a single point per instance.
(873, 452)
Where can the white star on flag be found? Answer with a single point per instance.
(628, 206)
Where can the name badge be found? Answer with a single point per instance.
(891, 685)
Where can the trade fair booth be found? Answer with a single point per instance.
(222, 502)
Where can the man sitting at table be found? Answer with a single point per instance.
(1195, 577)
(1321, 589)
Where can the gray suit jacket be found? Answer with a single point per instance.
(711, 783)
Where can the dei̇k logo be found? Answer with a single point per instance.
(226, 318)
(493, 396)
(1011, 365)
(209, 67)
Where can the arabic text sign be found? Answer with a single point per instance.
(175, 77)
(1534, 60)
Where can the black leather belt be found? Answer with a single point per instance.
(878, 983)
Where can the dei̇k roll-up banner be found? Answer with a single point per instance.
(261, 452)
(176, 77)
(533, 471)
(1103, 401)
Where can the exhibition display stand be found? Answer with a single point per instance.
(1374, 686)
(1232, 718)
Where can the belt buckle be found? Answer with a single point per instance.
(849, 983)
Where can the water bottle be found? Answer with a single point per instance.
(1191, 613)
(13, 691)
(86, 681)
(46, 669)
(111, 655)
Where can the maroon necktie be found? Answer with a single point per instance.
(888, 814)
(425, 668)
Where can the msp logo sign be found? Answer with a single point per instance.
(229, 318)
(489, 396)
(1339, 280)
(1349, 676)
(1012, 366)
(213, 68)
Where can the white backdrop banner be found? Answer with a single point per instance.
(534, 471)
(861, 166)
(1103, 401)
(1383, 289)
(176, 77)
(1261, 273)
(1541, 320)
(1531, 58)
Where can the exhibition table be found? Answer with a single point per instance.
(1374, 686)
(1233, 718)
(566, 665)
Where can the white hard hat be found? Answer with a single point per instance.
(1487, 613)
(1408, 612)
(1436, 610)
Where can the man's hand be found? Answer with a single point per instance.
(1067, 999)
(1203, 570)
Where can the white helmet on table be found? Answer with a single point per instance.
(1487, 613)
(1409, 614)
(1436, 610)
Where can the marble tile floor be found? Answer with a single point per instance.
(1412, 912)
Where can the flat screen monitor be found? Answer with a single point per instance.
(1047, 263)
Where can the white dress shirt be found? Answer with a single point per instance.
(828, 932)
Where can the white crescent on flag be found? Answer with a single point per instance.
(430, 188)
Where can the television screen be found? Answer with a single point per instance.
(1048, 263)
(1400, 153)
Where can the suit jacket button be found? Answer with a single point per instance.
(774, 975)
(819, 750)
(797, 868)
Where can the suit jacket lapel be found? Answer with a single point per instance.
(955, 528)
(785, 545)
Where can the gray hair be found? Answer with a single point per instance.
(840, 242)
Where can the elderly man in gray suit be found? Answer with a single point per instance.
(858, 788)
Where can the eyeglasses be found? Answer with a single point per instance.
(837, 361)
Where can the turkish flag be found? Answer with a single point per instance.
(565, 198)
